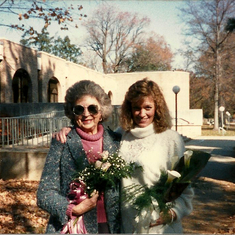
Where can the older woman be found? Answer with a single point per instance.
(87, 105)
(149, 141)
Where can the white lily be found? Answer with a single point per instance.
(187, 156)
(172, 175)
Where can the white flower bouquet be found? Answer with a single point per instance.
(105, 172)
(171, 183)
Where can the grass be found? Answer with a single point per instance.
(208, 131)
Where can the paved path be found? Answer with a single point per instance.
(221, 165)
(214, 201)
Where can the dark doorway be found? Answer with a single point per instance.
(53, 90)
(21, 86)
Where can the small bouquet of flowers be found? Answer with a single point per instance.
(105, 172)
(171, 183)
(98, 176)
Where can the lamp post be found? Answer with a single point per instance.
(176, 90)
(221, 109)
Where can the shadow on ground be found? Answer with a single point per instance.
(18, 210)
(214, 208)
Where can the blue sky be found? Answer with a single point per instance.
(163, 15)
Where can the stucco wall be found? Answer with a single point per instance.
(16, 57)
(165, 79)
(68, 73)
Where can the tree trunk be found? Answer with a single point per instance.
(216, 108)
(217, 70)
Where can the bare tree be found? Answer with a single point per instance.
(112, 34)
(207, 21)
(47, 11)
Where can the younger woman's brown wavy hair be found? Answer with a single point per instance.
(140, 89)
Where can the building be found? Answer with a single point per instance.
(38, 79)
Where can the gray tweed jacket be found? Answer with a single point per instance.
(62, 161)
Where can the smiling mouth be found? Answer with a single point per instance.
(143, 119)
(87, 121)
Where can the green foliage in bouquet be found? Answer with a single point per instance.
(105, 173)
(142, 196)
(170, 185)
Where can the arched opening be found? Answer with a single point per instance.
(21, 86)
(53, 90)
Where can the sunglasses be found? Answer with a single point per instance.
(79, 109)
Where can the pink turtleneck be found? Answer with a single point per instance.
(93, 146)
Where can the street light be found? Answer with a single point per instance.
(221, 109)
(176, 90)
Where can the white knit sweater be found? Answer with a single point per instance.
(153, 152)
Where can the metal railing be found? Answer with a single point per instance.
(36, 130)
(30, 130)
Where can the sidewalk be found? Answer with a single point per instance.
(214, 201)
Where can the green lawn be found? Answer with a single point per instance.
(208, 131)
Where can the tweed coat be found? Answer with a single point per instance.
(62, 161)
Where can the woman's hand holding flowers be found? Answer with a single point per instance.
(95, 178)
(86, 205)
(165, 218)
(169, 186)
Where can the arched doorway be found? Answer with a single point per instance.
(53, 90)
(21, 87)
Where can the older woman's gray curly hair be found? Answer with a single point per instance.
(87, 87)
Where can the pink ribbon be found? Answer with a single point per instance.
(75, 226)
(76, 195)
